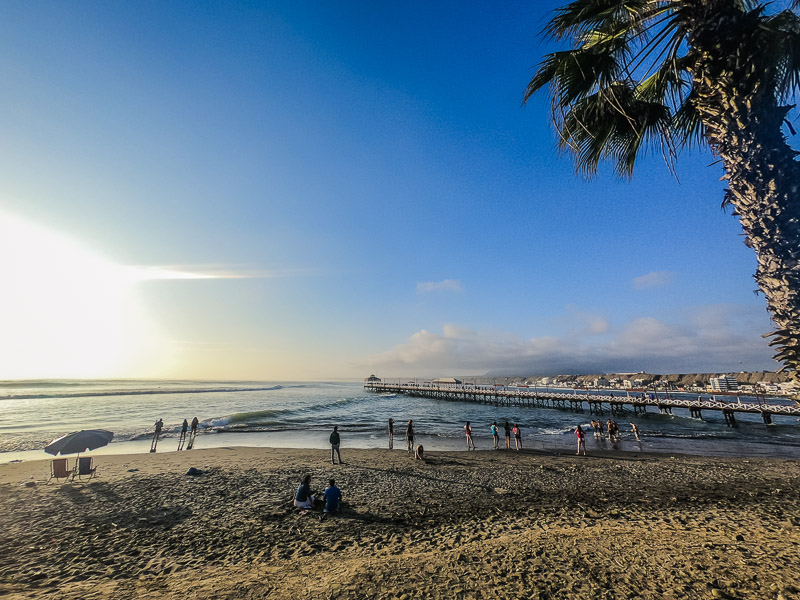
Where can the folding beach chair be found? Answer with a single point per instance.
(84, 467)
(59, 467)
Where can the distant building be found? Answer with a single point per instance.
(601, 382)
(724, 383)
(627, 384)
(447, 381)
(372, 379)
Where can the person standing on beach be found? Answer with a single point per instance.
(517, 437)
(495, 436)
(470, 442)
(333, 496)
(193, 433)
(508, 435)
(182, 439)
(157, 427)
(410, 437)
(334, 440)
(391, 434)
(581, 440)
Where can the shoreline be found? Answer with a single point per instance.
(317, 439)
(461, 525)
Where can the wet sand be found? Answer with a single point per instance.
(462, 525)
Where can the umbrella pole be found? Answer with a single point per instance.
(75, 470)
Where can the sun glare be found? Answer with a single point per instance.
(67, 312)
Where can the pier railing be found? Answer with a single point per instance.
(576, 401)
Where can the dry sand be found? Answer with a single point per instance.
(463, 525)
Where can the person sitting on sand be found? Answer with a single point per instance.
(470, 443)
(410, 437)
(581, 440)
(303, 498)
(517, 437)
(418, 454)
(508, 435)
(635, 431)
(333, 496)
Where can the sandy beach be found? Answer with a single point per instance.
(462, 525)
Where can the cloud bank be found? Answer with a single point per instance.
(714, 338)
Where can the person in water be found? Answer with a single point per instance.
(303, 498)
(410, 437)
(470, 442)
(635, 431)
(182, 438)
(581, 440)
(156, 433)
(517, 436)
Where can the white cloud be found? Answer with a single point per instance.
(718, 338)
(446, 285)
(653, 279)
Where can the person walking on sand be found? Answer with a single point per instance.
(508, 435)
(333, 496)
(335, 441)
(470, 441)
(192, 433)
(495, 436)
(303, 498)
(410, 437)
(182, 438)
(635, 431)
(517, 436)
(581, 440)
(157, 432)
(391, 434)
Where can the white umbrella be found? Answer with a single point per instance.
(79, 441)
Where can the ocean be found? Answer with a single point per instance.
(302, 414)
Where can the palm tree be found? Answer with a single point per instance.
(673, 73)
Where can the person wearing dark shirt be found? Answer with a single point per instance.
(410, 437)
(333, 496)
(303, 497)
(334, 439)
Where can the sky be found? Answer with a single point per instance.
(316, 190)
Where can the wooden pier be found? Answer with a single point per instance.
(575, 401)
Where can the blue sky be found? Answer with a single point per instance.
(363, 191)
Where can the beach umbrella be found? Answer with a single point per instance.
(79, 441)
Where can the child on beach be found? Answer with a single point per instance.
(581, 440)
(470, 443)
(517, 436)
(420, 453)
(495, 436)
(333, 495)
(635, 431)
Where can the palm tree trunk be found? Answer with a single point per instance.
(743, 124)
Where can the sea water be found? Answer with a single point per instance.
(302, 414)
